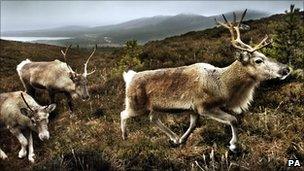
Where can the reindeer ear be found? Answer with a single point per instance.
(50, 108)
(243, 57)
(26, 112)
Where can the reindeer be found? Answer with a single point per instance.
(201, 87)
(19, 112)
(55, 77)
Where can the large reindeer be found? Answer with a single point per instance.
(55, 77)
(19, 112)
(201, 87)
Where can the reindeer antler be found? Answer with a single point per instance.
(26, 102)
(234, 28)
(64, 56)
(86, 64)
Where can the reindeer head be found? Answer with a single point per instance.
(256, 63)
(39, 115)
(80, 80)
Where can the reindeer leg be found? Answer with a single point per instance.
(2, 155)
(126, 114)
(193, 121)
(23, 141)
(70, 103)
(31, 154)
(123, 123)
(225, 118)
(154, 119)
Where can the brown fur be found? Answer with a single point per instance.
(55, 77)
(10, 105)
(200, 87)
(47, 75)
(19, 116)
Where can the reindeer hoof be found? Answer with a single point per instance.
(235, 149)
(124, 137)
(232, 148)
(3, 156)
(31, 158)
(173, 144)
(22, 154)
(182, 141)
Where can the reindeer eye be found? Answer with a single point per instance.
(258, 61)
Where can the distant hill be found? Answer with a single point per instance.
(143, 29)
(91, 140)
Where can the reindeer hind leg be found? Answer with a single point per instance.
(126, 114)
(155, 119)
(2, 154)
(193, 121)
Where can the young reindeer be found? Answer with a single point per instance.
(19, 112)
(201, 87)
(55, 77)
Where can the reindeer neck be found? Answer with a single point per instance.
(235, 78)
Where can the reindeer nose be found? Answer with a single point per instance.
(284, 71)
(44, 136)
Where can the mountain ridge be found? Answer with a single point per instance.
(142, 29)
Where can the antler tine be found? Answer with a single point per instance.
(238, 39)
(234, 18)
(66, 50)
(222, 24)
(86, 63)
(91, 72)
(226, 21)
(262, 44)
(64, 56)
(26, 102)
(243, 15)
(235, 28)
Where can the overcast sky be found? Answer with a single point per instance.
(27, 15)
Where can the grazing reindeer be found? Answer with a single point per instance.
(20, 112)
(55, 77)
(201, 87)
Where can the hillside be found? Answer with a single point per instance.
(143, 29)
(270, 133)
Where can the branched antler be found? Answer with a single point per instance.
(86, 64)
(64, 56)
(234, 28)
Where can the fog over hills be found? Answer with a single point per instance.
(142, 29)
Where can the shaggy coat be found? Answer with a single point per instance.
(200, 87)
(21, 117)
(55, 77)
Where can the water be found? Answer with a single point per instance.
(31, 39)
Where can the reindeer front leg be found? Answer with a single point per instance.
(225, 118)
(31, 154)
(29, 136)
(23, 141)
(2, 154)
(70, 103)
